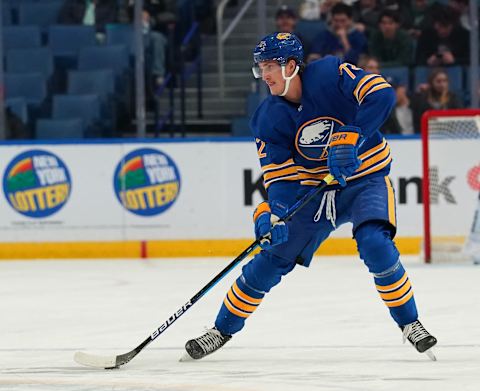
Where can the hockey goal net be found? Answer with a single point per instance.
(451, 185)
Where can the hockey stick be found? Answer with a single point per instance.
(110, 362)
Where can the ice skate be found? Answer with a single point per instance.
(204, 345)
(420, 338)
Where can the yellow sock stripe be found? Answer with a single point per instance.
(248, 299)
(401, 301)
(392, 287)
(398, 293)
(240, 304)
(233, 310)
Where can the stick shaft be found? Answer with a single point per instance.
(293, 210)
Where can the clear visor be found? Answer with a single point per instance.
(263, 69)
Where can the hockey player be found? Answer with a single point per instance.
(321, 118)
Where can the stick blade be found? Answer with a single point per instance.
(95, 361)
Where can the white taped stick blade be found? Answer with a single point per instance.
(431, 355)
(95, 361)
(186, 358)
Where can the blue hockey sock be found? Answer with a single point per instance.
(379, 253)
(396, 291)
(239, 303)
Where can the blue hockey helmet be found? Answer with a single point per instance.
(279, 47)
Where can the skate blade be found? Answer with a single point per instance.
(186, 358)
(430, 354)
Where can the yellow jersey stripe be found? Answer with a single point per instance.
(374, 168)
(376, 158)
(376, 88)
(373, 150)
(275, 174)
(273, 166)
(283, 178)
(360, 84)
(313, 180)
(367, 86)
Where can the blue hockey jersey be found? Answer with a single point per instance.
(293, 139)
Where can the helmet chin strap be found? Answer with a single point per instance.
(288, 79)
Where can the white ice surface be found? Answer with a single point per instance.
(323, 328)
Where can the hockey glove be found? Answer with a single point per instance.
(343, 160)
(268, 226)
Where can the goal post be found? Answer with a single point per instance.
(451, 181)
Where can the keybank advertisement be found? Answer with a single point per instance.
(195, 190)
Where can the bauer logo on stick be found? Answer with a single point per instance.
(37, 183)
(147, 182)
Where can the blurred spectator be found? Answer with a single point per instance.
(161, 13)
(401, 117)
(285, 19)
(96, 13)
(423, 15)
(434, 95)
(326, 7)
(461, 8)
(391, 44)
(446, 44)
(341, 38)
(286, 22)
(369, 64)
(402, 8)
(366, 14)
(155, 44)
(310, 10)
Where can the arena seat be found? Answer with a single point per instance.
(114, 57)
(86, 107)
(121, 34)
(59, 128)
(21, 37)
(398, 75)
(31, 86)
(18, 106)
(68, 40)
(42, 14)
(30, 60)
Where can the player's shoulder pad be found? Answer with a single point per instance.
(272, 111)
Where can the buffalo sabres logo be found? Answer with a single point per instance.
(313, 137)
(283, 36)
